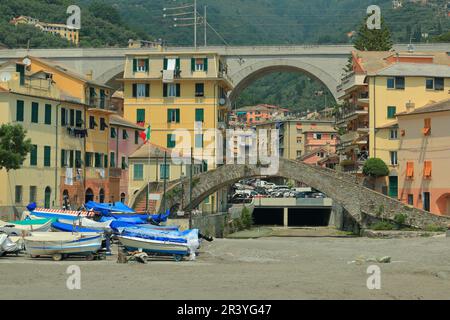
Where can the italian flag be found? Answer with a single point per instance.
(146, 135)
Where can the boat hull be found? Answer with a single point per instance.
(153, 246)
(67, 244)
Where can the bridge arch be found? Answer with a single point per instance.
(110, 76)
(362, 204)
(247, 75)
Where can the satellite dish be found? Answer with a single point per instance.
(5, 76)
(26, 62)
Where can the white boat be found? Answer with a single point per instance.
(89, 224)
(178, 250)
(19, 227)
(61, 244)
(10, 245)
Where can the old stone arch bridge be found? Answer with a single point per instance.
(245, 64)
(362, 204)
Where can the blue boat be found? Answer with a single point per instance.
(65, 227)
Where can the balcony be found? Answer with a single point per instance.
(350, 113)
(349, 81)
(100, 103)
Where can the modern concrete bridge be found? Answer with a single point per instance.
(245, 64)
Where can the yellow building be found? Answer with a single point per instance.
(67, 119)
(393, 83)
(180, 96)
(72, 35)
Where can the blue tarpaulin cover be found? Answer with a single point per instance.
(70, 228)
(108, 208)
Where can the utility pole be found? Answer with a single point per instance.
(190, 189)
(165, 181)
(195, 24)
(205, 24)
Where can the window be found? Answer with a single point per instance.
(64, 159)
(394, 158)
(33, 193)
(92, 123)
(105, 161)
(164, 170)
(393, 187)
(427, 127)
(20, 68)
(48, 114)
(33, 155)
(112, 162)
(138, 172)
(78, 161)
(391, 111)
(64, 116)
(141, 90)
(426, 201)
(47, 156)
(434, 84)
(78, 119)
(427, 169)
(199, 140)
(171, 141)
(199, 90)
(124, 163)
(136, 137)
(173, 115)
(124, 134)
(34, 112)
(19, 110)
(88, 158)
(299, 140)
(199, 64)
(18, 196)
(72, 117)
(396, 83)
(140, 116)
(171, 90)
(199, 115)
(113, 133)
(103, 124)
(140, 65)
(411, 199)
(393, 134)
(171, 64)
(317, 136)
(410, 170)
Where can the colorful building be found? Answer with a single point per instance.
(381, 85)
(72, 35)
(252, 115)
(423, 157)
(298, 137)
(69, 121)
(124, 140)
(181, 96)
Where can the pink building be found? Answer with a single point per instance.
(317, 138)
(321, 157)
(124, 140)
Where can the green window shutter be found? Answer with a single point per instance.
(205, 65)
(178, 89)
(134, 90)
(20, 68)
(170, 141)
(47, 156)
(71, 159)
(138, 173)
(34, 112)
(205, 166)
(391, 112)
(78, 162)
(199, 115)
(72, 117)
(193, 64)
(165, 90)
(140, 115)
(78, 118)
(177, 64)
(33, 155)
(112, 161)
(169, 115)
(199, 140)
(106, 160)
(147, 65)
(147, 90)
(63, 158)
(134, 65)
(165, 64)
(48, 114)
(88, 159)
(113, 133)
(177, 115)
(63, 117)
(19, 110)
(164, 170)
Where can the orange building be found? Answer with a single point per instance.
(424, 177)
(258, 114)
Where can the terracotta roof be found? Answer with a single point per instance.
(389, 125)
(119, 121)
(443, 105)
(414, 70)
(313, 152)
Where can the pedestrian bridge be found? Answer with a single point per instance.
(362, 204)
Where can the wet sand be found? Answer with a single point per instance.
(266, 268)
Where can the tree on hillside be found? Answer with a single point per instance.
(14, 146)
(373, 40)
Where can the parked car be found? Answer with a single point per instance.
(240, 198)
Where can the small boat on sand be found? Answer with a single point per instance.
(59, 245)
(16, 228)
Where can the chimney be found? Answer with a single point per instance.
(90, 74)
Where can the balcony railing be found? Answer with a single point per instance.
(348, 112)
(100, 103)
